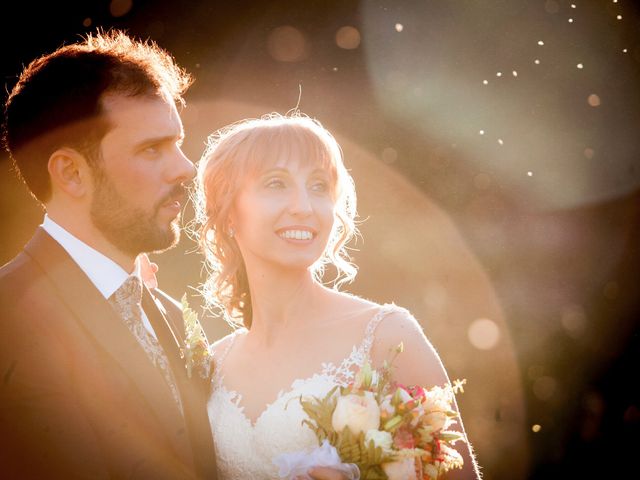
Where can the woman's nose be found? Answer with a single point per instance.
(299, 202)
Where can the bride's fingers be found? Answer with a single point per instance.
(326, 473)
(148, 270)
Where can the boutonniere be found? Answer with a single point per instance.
(195, 352)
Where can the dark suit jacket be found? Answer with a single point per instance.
(78, 396)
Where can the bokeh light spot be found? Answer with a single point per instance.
(580, 66)
(540, 42)
(287, 44)
(536, 428)
(544, 387)
(399, 27)
(594, 100)
(483, 334)
(573, 320)
(589, 153)
(119, 8)
(86, 22)
(348, 37)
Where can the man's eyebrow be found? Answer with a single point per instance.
(162, 139)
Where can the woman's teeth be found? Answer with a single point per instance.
(297, 234)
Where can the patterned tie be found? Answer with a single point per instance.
(126, 301)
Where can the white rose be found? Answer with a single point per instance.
(436, 404)
(358, 412)
(380, 439)
(436, 420)
(404, 469)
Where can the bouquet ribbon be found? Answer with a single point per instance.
(295, 465)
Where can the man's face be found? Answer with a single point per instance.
(141, 174)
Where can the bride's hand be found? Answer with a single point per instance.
(326, 473)
(148, 270)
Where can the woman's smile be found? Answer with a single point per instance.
(297, 235)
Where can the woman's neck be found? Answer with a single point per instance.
(280, 302)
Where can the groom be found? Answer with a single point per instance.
(92, 383)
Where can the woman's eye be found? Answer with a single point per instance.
(274, 183)
(319, 186)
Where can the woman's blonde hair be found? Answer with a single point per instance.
(241, 150)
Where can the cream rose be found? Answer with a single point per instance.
(436, 420)
(404, 469)
(380, 438)
(358, 412)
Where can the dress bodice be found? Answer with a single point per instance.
(246, 450)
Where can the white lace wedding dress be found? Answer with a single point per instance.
(245, 450)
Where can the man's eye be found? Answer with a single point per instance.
(152, 150)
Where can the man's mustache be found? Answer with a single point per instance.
(177, 194)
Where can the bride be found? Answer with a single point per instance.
(276, 206)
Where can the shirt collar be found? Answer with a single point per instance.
(104, 273)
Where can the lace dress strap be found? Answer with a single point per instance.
(219, 359)
(369, 333)
(343, 373)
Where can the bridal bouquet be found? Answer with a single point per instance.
(388, 430)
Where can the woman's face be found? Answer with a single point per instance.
(283, 216)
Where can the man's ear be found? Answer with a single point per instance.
(70, 172)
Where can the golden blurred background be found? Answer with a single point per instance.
(495, 151)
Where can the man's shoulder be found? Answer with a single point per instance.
(16, 271)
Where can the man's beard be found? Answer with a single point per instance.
(130, 229)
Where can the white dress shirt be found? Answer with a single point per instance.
(104, 273)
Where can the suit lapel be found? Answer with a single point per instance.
(192, 391)
(164, 331)
(95, 315)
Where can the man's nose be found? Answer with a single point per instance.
(182, 169)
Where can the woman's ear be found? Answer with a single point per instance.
(69, 172)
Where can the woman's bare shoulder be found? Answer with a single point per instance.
(419, 363)
(220, 345)
(350, 304)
